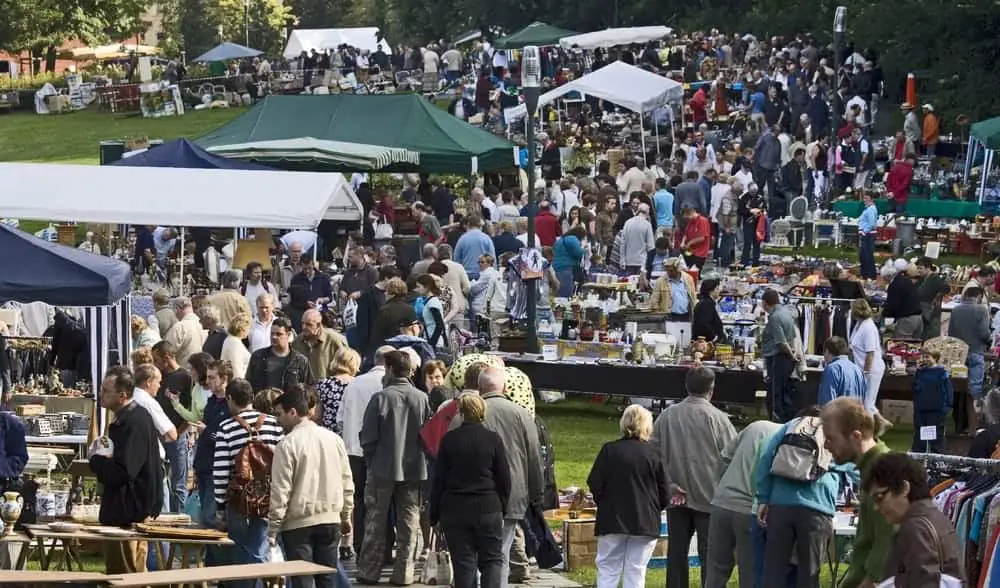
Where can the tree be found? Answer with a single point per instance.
(198, 25)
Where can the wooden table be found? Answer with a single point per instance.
(48, 540)
(35, 578)
(192, 576)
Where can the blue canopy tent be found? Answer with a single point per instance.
(35, 270)
(184, 153)
(227, 52)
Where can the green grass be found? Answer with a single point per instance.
(74, 137)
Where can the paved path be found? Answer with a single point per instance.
(539, 578)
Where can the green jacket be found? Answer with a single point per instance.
(875, 535)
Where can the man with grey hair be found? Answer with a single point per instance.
(637, 240)
(229, 300)
(186, 335)
(691, 436)
(516, 428)
(215, 333)
(430, 254)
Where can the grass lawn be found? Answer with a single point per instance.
(74, 137)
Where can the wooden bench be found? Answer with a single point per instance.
(35, 578)
(193, 576)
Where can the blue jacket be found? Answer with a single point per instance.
(820, 495)
(566, 253)
(932, 390)
(470, 246)
(842, 377)
(13, 448)
(663, 200)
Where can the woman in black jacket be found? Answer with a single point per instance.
(752, 207)
(706, 322)
(629, 485)
(472, 476)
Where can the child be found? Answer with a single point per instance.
(932, 399)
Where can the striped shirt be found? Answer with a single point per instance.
(230, 439)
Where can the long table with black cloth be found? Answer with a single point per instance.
(667, 381)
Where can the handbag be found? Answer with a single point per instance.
(383, 230)
(437, 569)
(761, 229)
(350, 314)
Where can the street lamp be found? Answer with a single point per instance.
(839, 16)
(246, 20)
(531, 75)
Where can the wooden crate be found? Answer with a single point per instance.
(579, 543)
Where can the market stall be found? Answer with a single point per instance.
(537, 33)
(614, 37)
(984, 140)
(915, 207)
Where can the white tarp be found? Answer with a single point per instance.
(614, 37)
(619, 83)
(364, 38)
(170, 196)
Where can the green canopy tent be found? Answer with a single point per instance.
(312, 154)
(444, 143)
(987, 132)
(537, 33)
(984, 141)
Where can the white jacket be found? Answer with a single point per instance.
(188, 336)
(311, 482)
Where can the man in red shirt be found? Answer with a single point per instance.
(697, 238)
(546, 225)
(898, 183)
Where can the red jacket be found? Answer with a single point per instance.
(898, 183)
(547, 228)
(699, 227)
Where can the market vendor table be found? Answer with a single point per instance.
(191, 576)
(47, 541)
(915, 207)
(18, 541)
(35, 578)
(667, 381)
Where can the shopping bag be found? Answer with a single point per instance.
(350, 314)
(437, 569)
(761, 228)
(383, 230)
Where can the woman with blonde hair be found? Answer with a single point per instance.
(330, 391)
(233, 349)
(629, 485)
(472, 477)
(142, 355)
(866, 348)
(142, 334)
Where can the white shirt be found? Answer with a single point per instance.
(160, 420)
(252, 292)
(492, 208)
(508, 212)
(523, 238)
(499, 58)
(453, 60)
(865, 339)
(431, 61)
(260, 335)
(357, 179)
(719, 191)
(351, 414)
(567, 199)
(856, 101)
(745, 178)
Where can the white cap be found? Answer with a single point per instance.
(900, 265)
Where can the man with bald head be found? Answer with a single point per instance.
(290, 264)
(318, 343)
(517, 430)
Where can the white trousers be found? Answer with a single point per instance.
(623, 557)
(874, 380)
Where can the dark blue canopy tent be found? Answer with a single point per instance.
(35, 270)
(184, 153)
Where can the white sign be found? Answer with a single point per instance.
(550, 352)
(928, 433)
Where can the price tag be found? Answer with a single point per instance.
(928, 433)
(550, 352)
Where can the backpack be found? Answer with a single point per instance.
(250, 483)
(801, 455)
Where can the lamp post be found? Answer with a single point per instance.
(246, 21)
(838, 38)
(530, 79)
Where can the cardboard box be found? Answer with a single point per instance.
(898, 411)
(30, 410)
(579, 543)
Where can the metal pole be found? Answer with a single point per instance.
(246, 23)
(838, 37)
(530, 82)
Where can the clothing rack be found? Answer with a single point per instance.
(958, 460)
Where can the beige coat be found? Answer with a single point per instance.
(188, 336)
(662, 298)
(320, 353)
(230, 303)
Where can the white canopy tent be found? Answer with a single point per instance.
(619, 83)
(614, 37)
(170, 196)
(364, 38)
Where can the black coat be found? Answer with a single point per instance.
(705, 321)
(297, 370)
(629, 484)
(133, 476)
(471, 476)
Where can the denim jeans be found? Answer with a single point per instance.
(977, 374)
(249, 542)
(177, 460)
(866, 255)
(566, 283)
(751, 246)
(758, 538)
(214, 555)
(317, 544)
(727, 249)
(507, 538)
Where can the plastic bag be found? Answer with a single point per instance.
(350, 314)
(276, 554)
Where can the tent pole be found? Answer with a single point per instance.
(642, 138)
(656, 129)
(181, 258)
